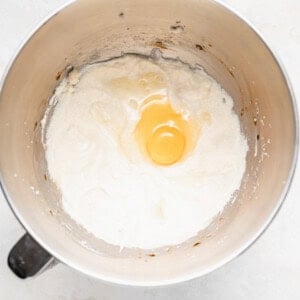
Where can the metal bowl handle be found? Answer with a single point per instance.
(27, 257)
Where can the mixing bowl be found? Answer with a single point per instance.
(200, 32)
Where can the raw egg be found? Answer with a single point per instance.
(162, 133)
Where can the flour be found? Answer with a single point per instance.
(109, 186)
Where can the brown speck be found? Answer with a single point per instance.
(178, 22)
(177, 28)
(151, 254)
(200, 47)
(242, 112)
(160, 44)
(258, 137)
(35, 125)
(209, 45)
(196, 244)
(51, 212)
(121, 14)
(127, 28)
(231, 73)
(58, 76)
(255, 121)
(45, 176)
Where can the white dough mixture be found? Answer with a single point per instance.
(111, 185)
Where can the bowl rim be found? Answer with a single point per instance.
(196, 274)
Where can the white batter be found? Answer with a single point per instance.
(109, 185)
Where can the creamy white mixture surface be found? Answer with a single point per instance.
(109, 184)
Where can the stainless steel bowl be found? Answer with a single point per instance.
(199, 32)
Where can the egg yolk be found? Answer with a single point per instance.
(161, 131)
(166, 145)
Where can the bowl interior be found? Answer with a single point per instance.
(198, 32)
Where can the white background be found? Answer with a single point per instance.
(269, 270)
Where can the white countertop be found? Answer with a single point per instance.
(269, 270)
